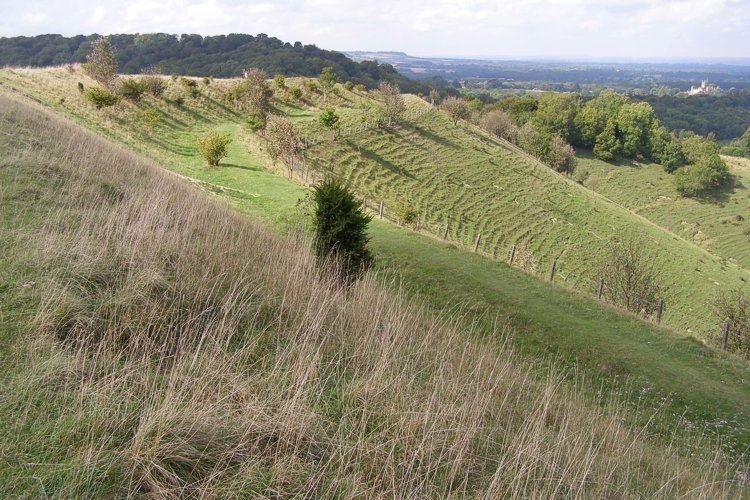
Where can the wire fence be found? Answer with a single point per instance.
(459, 230)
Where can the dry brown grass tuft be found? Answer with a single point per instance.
(205, 356)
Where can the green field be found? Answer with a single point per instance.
(694, 387)
(720, 224)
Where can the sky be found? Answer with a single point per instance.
(637, 29)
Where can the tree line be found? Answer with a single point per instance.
(726, 116)
(196, 55)
(613, 126)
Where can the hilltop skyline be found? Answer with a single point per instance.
(570, 29)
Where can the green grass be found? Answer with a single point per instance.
(720, 223)
(479, 185)
(693, 384)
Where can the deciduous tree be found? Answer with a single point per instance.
(455, 108)
(393, 101)
(101, 63)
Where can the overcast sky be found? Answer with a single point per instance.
(475, 28)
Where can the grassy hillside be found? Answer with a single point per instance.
(457, 175)
(155, 343)
(720, 224)
(678, 385)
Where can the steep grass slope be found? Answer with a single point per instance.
(159, 344)
(475, 184)
(452, 174)
(720, 224)
(678, 386)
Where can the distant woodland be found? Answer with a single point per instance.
(196, 55)
(727, 115)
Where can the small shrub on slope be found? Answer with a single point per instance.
(329, 119)
(632, 279)
(213, 147)
(100, 97)
(132, 89)
(295, 92)
(341, 227)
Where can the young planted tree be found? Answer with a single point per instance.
(327, 80)
(329, 119)
(284, 141)
(100, 97)
(734, 306)
(213, 147)
(132, 89)
(295, 93)
(101, 63)
(251, 94)
(456, 108)
(341, 228)
(632, 278)
(393, 101)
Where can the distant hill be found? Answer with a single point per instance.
(196, 55)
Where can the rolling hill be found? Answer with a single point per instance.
(195, 55)
(451, 174)
(676, 385)
(194, 373)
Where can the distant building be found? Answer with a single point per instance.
(705, 88)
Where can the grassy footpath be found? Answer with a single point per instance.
(696, 387)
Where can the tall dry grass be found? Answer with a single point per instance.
(199, 355)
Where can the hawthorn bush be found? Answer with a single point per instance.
(213, 147)
(100, 97)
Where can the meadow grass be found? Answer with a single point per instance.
(165, 346)
(696, 388)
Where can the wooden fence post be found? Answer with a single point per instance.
(381, 209)
(512, 255)
(601, 289)
(419, 224)
(476, 243)
(552, 271)
(725, 335)
(445, 233)
(659, 311)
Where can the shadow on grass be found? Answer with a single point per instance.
(376, 158)
(241, 167)
(721, 195)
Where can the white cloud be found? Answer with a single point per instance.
(516, 28)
